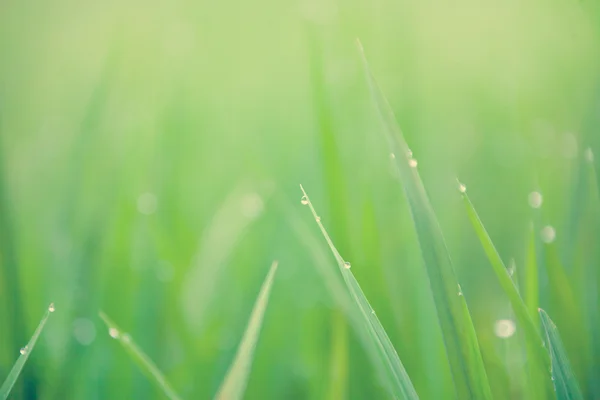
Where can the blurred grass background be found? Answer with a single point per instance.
(150, 155)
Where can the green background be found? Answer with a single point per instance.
(216, 111)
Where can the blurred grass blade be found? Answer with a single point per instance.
(12, 377)
(228, 226)
(539, 361)
(462, 348)
(235, 381)
(532, 335)
(399, 384)
(532, 285)
(565, 384)
(141, 359)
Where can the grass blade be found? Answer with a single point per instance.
(462, 348)
(399, 383)
(235, 381)
(506, 282)
(140, 358)
(538, 357)
(532, 285)
(12, 377)
(565, 383)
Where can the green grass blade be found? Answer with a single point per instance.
(565, 384)
(532, 281)
(141, 359)
(532, 335)
(12, 377)
(399, 382)
(235, 381)
(462, 348)
(537, 355)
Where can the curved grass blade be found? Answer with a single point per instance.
(399, 383)
(235, 381)
(565, 384)
(12, 377)
(462, 347)
(141, 359)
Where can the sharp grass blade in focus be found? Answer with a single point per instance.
(141, 359)
(462, 347)
(235, 381)
(399, 382)
(565, 384)
(12, 377)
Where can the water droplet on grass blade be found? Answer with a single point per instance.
(412, 163)
(304, 200)
(84, 331)
(535, 199)
(113, 332)
(147, 203)
(51, 307)
(588, 154)
(462, 188)
(548, 234)
(347, 265)
(318, 219)
(23, 350)
(504, 328)
(460, 293)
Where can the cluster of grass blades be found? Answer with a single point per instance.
(547, 362)
(397, 380)
(468, 372)
(12, 377)
(234, 383)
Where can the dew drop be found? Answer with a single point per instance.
(147, 203)
(548, 234)
(304, 200)
(535, 199)
(504, 328)
(460, 293)
(347, 265)
(589, 155)
(412, 163)
(462, 188)
(51, 307)
(318, 219)
(23, 350)
(84, 331)
(511, 268)
(113, 332)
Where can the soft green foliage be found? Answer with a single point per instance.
(12, 377)
(565, 384)
(235, 382)
(150, 155)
